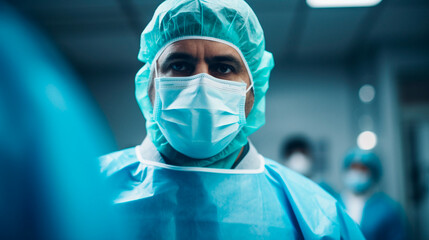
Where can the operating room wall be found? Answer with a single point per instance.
(392, 62)
(114, 93)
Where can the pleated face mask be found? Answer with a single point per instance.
(358, 181)
(199, 115)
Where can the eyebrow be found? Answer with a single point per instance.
(176, 56)
(226, 58)
(223, 58)
(179, 55)
(188, 57)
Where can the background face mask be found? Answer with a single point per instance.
(199, 115)
(358, 181)
(300, 163)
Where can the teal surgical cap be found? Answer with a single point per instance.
(228, 21)
(367, 158)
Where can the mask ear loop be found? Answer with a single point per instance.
(250, 87)
(156, 68)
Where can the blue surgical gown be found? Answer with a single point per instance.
(382, 218)
(162, 201)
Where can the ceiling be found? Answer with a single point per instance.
(103, 35)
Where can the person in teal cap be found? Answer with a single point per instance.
(379, 216)
(196, 175)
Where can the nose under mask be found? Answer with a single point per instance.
(199, 115)
(358, 181)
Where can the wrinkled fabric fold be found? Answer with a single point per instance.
(197, 119)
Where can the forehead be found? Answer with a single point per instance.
(201, 48)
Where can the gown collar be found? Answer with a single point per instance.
(252, 162)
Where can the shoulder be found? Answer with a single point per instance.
(317, 212)
(382, 202)
(382, 199)
(295, 181)
(115, 162)
(384, 217)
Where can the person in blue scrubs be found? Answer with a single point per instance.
(379, 216)
(196, 175)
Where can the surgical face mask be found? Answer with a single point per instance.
(358, 181)
(199, 115)
(300, 163)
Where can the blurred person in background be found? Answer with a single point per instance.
(298, 154)
(51, 136)
(379, 216)
(196, 175)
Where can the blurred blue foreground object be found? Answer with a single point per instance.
(50, 139)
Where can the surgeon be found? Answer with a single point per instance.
(196, 175)
(378, 215)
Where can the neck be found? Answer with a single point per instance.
(239, 155)
(363, 195)
(173, 157)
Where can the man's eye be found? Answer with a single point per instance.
(180, 67)
(224, 68)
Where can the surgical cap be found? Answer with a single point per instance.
(230, 21)
(366, 158)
